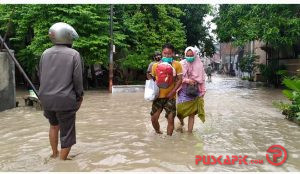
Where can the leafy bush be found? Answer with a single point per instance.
(273, 73)
(248, 64)
(291, 111)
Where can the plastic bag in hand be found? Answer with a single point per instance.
(151, 90)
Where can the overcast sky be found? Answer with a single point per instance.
(207, 22)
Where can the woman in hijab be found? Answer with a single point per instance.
(190, 95)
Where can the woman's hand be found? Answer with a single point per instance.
(171, 94)
(191, 82)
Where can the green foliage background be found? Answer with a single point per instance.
(276, 24)
(139, 30)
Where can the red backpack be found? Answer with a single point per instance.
(165, 74)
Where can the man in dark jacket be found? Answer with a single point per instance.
(61, 87)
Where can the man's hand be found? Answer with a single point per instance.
(149, 76)
(79, 102)
(172, 94)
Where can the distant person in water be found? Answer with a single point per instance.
(61, 87)
(209, 72)
(168, 77)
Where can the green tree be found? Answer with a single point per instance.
(248, 64)
(196, 31)
(32, 23)
(139, 30)
(277, 24)
(148, 27)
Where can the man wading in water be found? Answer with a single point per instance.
(168, 77)
(61, 88)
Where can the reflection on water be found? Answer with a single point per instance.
(114, 133)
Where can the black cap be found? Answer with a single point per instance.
(157, 53)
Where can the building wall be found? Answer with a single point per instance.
(285, 55)
(261, 53)
(7, 82)
(225, 48)
(262, 58)
(292, 65)
(228, 54)
(216, 58)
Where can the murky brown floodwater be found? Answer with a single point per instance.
(114, 133)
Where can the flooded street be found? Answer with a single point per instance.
(114, 133)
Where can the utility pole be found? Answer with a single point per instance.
(111, 66)
(221, 60)
(230, 59)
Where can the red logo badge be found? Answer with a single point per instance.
(278, 151)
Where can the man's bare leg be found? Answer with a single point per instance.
(191, 123)
(170, 126)
(64, 153)
(53, 138)
(155, 123)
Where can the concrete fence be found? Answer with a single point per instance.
(128, 88)
(7, 82)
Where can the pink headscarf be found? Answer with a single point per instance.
(194, 70)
